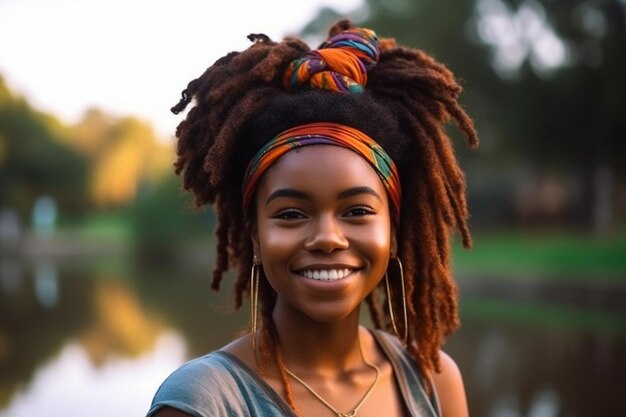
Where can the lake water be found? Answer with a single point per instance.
(96, 336)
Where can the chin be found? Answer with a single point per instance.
(332, 315)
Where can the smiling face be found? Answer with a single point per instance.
(323, 231)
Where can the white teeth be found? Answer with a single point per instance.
(326, 274)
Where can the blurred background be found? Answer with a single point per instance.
(105, 265)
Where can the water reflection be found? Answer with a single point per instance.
(531, 368)
(71, 385)
(10, 276)
(104, 333)
(120, 325)
(46, 284)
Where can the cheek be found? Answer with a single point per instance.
(277, 243)
(374, 241)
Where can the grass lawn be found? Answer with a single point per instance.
(100, 226)
(559, 255)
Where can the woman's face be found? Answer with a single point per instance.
(323, 231)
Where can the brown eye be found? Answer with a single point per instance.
(289, 215)
(359, 211)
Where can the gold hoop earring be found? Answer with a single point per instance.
(254, 299)
(405, 327)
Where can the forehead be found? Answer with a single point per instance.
(320, 166)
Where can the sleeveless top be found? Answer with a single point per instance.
(220, 385)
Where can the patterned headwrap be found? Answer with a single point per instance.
(339, 64)
(322, 133)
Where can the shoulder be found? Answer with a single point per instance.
(450, 389)
(448, 384)
(204, 386)
(201, 374)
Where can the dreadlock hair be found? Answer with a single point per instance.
(240, 104)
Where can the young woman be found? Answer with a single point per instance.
(334, 184)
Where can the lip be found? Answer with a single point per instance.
(325, 267)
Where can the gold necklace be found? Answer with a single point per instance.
(326, 403)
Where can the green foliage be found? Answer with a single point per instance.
(34, 160)
(163, 216)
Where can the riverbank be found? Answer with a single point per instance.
(499, 255)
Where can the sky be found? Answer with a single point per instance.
(131, 57)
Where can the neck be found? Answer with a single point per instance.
(312, 345)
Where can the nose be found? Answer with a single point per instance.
(326, 235)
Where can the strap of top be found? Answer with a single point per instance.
(411, 382)
(237, 367)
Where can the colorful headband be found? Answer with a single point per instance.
(339, 64)
(325, 134)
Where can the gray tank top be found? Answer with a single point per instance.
(220, 385)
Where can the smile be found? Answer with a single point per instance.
(326, 274)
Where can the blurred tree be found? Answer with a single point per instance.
(34, 161)
(123, 153)
(568, 77)
(163, 216)
(544, 82)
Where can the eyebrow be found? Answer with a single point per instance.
(351, 192)
(287, 192)
(301, 195)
